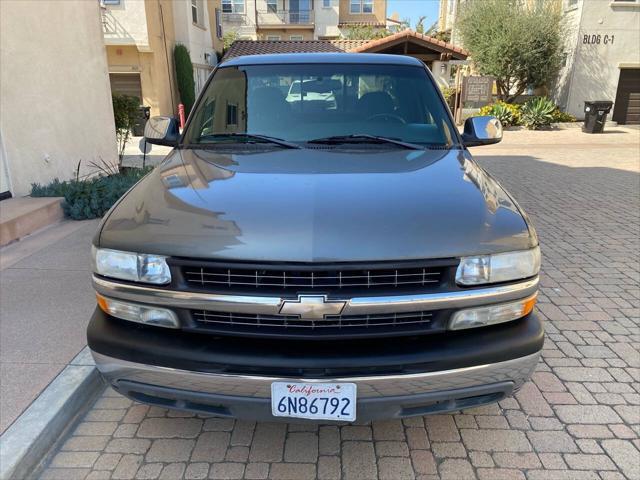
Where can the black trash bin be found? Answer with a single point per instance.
(141, 120)
(595, 115)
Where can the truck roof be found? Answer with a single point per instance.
(341, 57)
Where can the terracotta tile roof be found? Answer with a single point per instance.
(261, 47)
(362, 24)
(439, 45)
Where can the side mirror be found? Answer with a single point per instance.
(481, 131)
(162, 131)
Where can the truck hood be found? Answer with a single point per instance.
(316, 205)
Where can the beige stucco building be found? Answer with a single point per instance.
(140, 36)
(300, 19)
(54, 92)
(601, 58)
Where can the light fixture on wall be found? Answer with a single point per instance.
(443, 68)
(211, 59)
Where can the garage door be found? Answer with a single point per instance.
(126, 84)
(627, 106)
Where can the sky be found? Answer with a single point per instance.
(414, 9)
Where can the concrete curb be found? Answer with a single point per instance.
(25, 444)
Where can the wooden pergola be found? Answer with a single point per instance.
(414, 44)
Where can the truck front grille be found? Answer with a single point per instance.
(338, 279)
(334, 281)
(343, 325)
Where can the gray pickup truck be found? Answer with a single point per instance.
(335, 254)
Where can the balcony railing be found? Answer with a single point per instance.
(285, 17)
(111, 26)
(235, 18)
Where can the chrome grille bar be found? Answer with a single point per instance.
(356, 305)
(332, 321)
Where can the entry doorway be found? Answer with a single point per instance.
(126, 84)
(626, 110)
(5, 188)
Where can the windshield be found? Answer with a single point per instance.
(305, 102)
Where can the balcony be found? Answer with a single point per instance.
(235, 18)
(113, 31)
(285, 18)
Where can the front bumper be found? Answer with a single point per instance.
(231, 377)
(384, 397)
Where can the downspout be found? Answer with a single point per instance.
(166, 55)
(573, 60)
(255, 15)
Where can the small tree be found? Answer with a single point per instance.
(184, 77)
(125, 112)
(228, 38)
(366, 32)
(420, 24)
(518, 43)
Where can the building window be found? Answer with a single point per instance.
(232, 114)
(194, 11)
(361, 6)
(232, 6)
(297, 38)
(326, 3)
(110, 2)
(272, 6)
(273, 38)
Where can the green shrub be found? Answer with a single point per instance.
(519, 43)
(562, 117)
(228, 38)
(508, 113)
(184, 77)
(537, 113)
(125, 112)
(55, 189)
(448, 93)
(366, 32)
(90, 198)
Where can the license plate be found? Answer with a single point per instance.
(315, 401)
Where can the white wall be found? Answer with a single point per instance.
(54, 90)
(244, 26)
(197, 38)
(126, 24)
(326, 19)
(441, 77)
(593, 66)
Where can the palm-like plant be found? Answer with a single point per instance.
(537, 113)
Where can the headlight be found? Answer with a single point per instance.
(501, 267)
(492, 314)
(159, 317)
(136, 267)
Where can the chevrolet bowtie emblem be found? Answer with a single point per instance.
(312, 307)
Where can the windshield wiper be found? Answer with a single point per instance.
(366, 137)
(254, 136)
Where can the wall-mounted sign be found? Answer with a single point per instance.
(477, 90)
(597, 39)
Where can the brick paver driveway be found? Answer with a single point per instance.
(578, 419)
